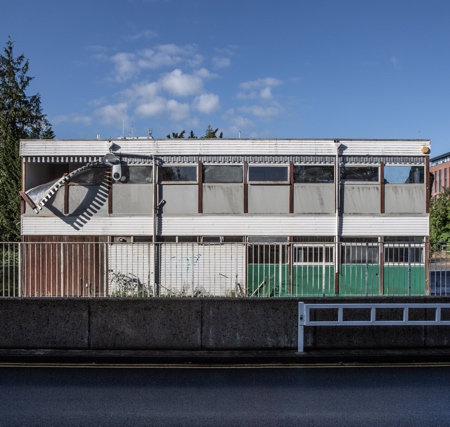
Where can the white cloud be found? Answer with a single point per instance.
(177, 110)
(113, 114)
(73, 118)
(206, 103)
(266, 93)
(221, 62)
(125, 66)
(261, 111)
(181, 84)
(146, 34)
(130, 64)
(152, 108)
(261, 83)
(261, 88)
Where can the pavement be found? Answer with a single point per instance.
(218, 358)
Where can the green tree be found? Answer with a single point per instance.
(21, 117)
(211, 133)
(440, 217)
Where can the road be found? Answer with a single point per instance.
(229, 396)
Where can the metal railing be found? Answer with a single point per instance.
(350, 315)
(239, 269)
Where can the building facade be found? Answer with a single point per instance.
(282, 217)
(440, 168)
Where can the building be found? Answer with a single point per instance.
(225, 217)
(440, 168)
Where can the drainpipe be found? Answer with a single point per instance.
(154, 222)
(337, 180)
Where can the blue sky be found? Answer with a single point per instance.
(267, 69)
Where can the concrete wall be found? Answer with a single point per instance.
(195, 324)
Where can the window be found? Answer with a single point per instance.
(211, 240)
(359, 173)
(268, 173)
(178, 174)
(222, 174)
(268, 253)
(138, 174)
(403, 254)
(403, 249)
(404, 174)
(313, 254)
(314, 174)
(363, 253)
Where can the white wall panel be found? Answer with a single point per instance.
(265, 147)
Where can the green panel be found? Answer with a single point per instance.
(359, 280)
(397, 281)
(268, 280)
(313, 280)
(265, 280)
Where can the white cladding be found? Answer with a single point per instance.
(202, 269)
(230, 225)
(222, 147)
(185, 269)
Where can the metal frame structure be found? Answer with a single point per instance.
(304, 316)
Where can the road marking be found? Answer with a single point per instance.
(231, 366)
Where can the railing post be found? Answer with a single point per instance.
(301, 326)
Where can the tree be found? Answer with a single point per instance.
(440, 217)
(210, 133)
(21, 117)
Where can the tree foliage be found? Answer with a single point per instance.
(21, 117)
(209, 133)
(440, 217)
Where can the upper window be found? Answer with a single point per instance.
(178, 173)
(403, 174)
(359, 173)
(268, 173)
(314, 174)
(137, 174)
(222, 174)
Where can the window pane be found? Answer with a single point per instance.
(90, 176)
(405, 255)
(178, 173)
(403, 174)
(267, 254)
(313, 254)
(316, 174)
(359, 254)
(359, 173)
(222, 173)
(138, 174)
(268, 173)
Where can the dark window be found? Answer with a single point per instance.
(359, 173)
(359, 254)
(314, 174)
(268, 173)
(269, 253)
(405, 254)
(178, 173)
(90, 176)
(403, 174)
(137, 174)
(313, 254)
(222, 173)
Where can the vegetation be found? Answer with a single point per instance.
(440, 217)
(210, 133)
(21, 117)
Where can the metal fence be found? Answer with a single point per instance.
(220, 269)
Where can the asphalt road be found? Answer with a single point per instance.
(283, 396)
